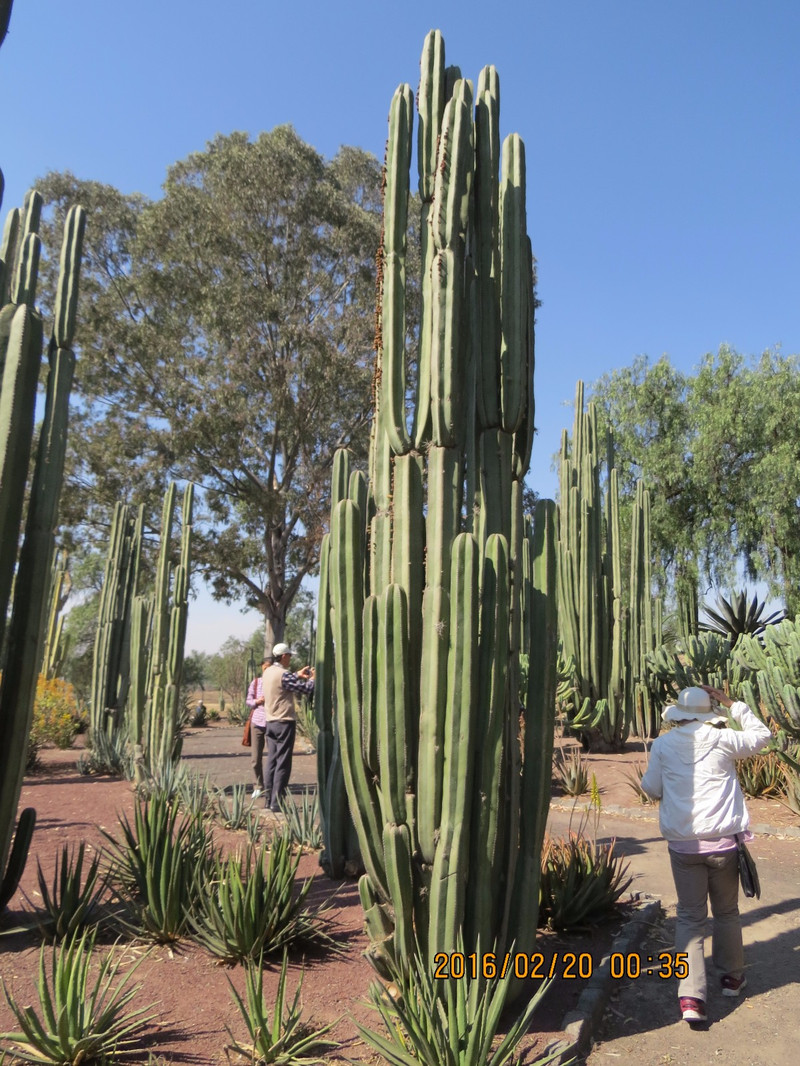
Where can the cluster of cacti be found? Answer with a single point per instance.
(704, 660)
(139, 645)
(774, 656)
(26, 567)
(433, 581)
(606, 639)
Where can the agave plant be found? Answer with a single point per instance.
(761, 775)
(433, 1022)
(302, 822)
(248, 906)
(69, 906)
(193, 791)
(581, 881)
(79, 1022)
(570, 773)
(734, 617)
(159, 864)
(279, 1037)
(233, 809)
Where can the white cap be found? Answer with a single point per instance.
(280, 650)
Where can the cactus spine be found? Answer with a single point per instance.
(430, 615)
(20, 358)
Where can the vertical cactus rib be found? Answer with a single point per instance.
(451, 858)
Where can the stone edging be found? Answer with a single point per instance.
(580, 1023)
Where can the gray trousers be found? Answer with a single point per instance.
(700, 879)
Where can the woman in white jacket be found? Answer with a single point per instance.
(692, 770)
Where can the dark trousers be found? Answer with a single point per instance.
(280, 748)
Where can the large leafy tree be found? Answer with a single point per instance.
(720, 451)
(227, 339)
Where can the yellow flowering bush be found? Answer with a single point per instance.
(56, 716)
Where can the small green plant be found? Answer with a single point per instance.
(279, 1036)
(571, 774)
(79, 1022)
(165, 778)
(238, 713)
(197, 716)
(303, 821)
(159, 865)
(70, 904)
(432, 1022)
(581, 881)
(761, 775)
(106, 755)
(248, 905)
(233, 809)
(193, 792)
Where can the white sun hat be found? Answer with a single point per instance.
(692, 704)
(280, 650)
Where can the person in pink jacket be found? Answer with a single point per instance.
(692, 771)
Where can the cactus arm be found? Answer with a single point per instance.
(18, 856)
(393, 317)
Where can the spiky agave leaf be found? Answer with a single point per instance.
(432, 1022)
(79, 1022)
(734, 617)
(280, 1038)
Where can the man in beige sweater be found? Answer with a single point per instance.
(279, 687)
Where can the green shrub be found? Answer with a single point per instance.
(581, 881)
(279, 1037)
(79, 1023)
(69, 904)
(248, 904)
(160, 865)
(447, 1022)
(761, 775)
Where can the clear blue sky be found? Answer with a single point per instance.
(662, 142)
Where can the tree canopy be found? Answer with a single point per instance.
(720, 452)
(227, 338)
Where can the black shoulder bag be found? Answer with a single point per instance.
(748, 873)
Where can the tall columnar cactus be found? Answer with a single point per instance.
(436, 583)
(112, 658)
(56, 643)
(29, 570)
(139, 647)
(155, 709)
(607, 638)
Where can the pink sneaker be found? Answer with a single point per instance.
(732, 986)
(693, 1010)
